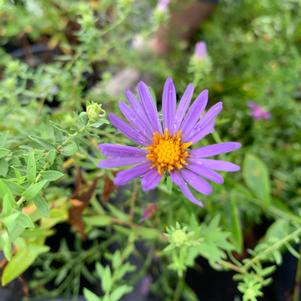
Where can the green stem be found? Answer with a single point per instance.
(46, 165)
(179, 289)
(231, 266)
(270, 249)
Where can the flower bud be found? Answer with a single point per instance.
(94, 111)
(200, 51)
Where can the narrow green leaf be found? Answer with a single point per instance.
(7, 205)
(14, 187)
(106, 277)
(122, 270)
(61, 276)
(42, 205)
(148, 233)
(8, 199)
(21, 261)
(116, 260)
(7, 250)
(70, 149)
(4, 152)
(31, 167)
(120, 291)
(16, 223)
(256, 176)
(42, 142)
(52, 175)
(25, 221)
(3, 167)
(51, 156)
(90, 296)
(97, 221)
(118, 213)
(33, 190)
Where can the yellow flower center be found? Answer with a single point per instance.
(168, 152)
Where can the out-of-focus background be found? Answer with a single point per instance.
(67, 232)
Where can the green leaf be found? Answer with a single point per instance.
(120, 291)
(21, 261)
(6, 243)
(42, 142)
(52, 175)
(16, 223)
(90, 296)
(25, 221)
(7, 205)
(256, 176)
(4, 152)
(106, 277)
(14, 187)
(33, 190)
(235, 226)
(116, 260)
(61, 276)
(148, 233)
(122, 270)
(97, 221)
(70, 149)
(8, 199)
(31, 167)
(42, 205)
(118, 213)
(51, 156)
(99, 123)
(215, 242)
(3, 167)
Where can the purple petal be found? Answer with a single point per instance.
(183, 106)
(125, 176)
(135, 121)
(169, 102)
(117, 162)
(178, 180)
(209, 117)
(151, 179)
(197, 135)
(206, 173)
(116, 150)
(196, 182)
(194, 113)
(126, 130)
(137, 108)
(215, 149)
(205, 126)
(216, 164)
(149, 107)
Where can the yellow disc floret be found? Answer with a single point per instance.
(168, 152)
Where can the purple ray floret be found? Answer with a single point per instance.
(165, 146)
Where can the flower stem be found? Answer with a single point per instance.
(179, 289)
(273, 247)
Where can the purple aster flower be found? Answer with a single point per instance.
(163, 5)
(166, 146)
(258, 112)
(145, 285)
(200, 50)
